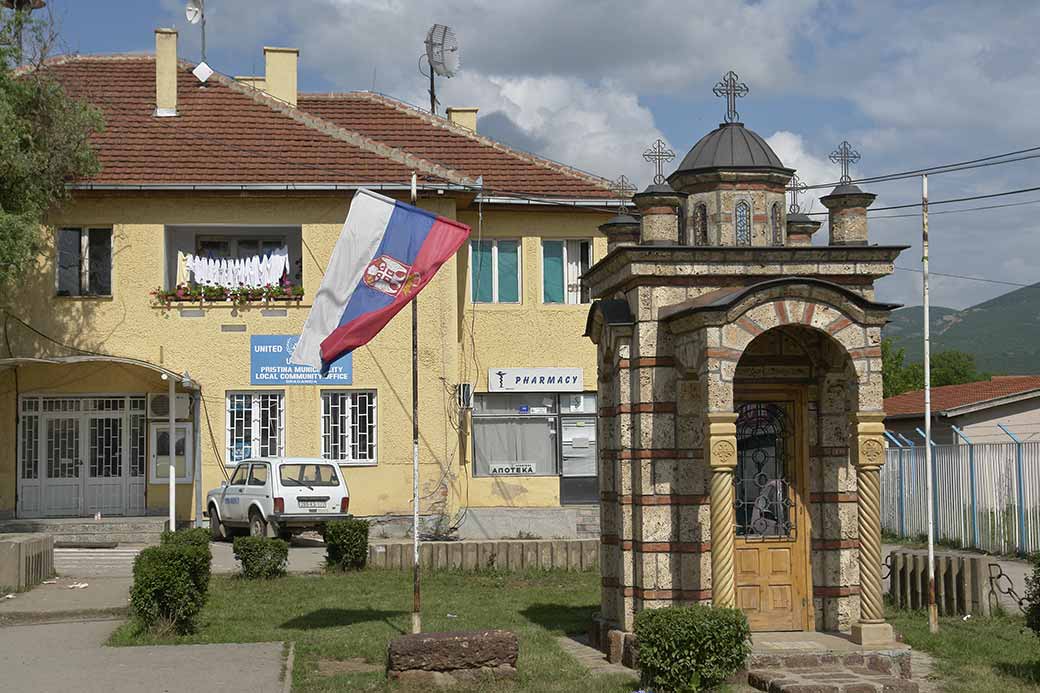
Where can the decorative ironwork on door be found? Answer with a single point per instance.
(764, 497)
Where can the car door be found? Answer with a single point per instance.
(232, 509)
(257, 489)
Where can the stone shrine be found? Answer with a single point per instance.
(740, 397)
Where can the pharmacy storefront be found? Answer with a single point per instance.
(538, 422)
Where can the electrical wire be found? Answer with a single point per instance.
(964, 276)
(949, 201)
(954, 211)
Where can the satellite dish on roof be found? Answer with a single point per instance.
(442, 50)
(442, 53)
(193, 11)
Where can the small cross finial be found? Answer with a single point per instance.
(796, 188)
(730, 87)
(623, 188)
(659, 154)
(844, 155)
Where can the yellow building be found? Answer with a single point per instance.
(222, 170)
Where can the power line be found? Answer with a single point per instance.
(964, 276)
(950, 201)
(955, 211)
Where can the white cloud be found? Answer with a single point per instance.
(812, 170)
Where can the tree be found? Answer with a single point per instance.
(44, 140)
(949, 367)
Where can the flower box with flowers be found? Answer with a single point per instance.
(286, 290)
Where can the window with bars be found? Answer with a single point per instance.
(777, 218)
(742, 222)
(84, 266)
(255, 425)
(563, 263)
(348, 426)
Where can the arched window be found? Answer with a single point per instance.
(742, 222)
(778, 231)
(700, 224)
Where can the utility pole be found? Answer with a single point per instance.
(933, 612)
(416, 595)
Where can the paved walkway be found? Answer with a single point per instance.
(68, 597)
(71, 657)
(577, 646)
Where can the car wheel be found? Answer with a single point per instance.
(258, 527)
(217, 531)
(285, 535)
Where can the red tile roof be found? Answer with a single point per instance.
(438, 139)
(224, 133)
(227, 133)
(954, 396)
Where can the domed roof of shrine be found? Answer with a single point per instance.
(731, 146)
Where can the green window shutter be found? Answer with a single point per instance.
(552, 271)
(508, 272)
(481, 277)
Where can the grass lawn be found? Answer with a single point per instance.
(995, 654)
(341, 622)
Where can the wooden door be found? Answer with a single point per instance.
(771, 550)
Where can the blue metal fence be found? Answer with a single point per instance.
(986, 495)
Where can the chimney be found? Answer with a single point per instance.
(165, 72)
(280, 73)
(465, 116)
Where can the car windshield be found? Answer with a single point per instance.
(308, 475)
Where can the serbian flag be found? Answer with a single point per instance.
(386, 253)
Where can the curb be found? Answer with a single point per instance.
(21, 618)
(287, 674)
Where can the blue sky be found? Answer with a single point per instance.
(592, 83)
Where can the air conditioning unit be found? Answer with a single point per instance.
(464, 395)
(159, 407)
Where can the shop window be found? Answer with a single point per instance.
(348, 427)
(563, 264)
(255, 425)
(495, 271)
(84, 262)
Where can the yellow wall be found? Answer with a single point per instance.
(128, 324)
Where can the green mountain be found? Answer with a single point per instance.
(1003, 333)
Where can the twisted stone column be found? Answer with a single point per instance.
(868, 451)
(721, 443)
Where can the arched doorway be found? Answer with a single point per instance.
(790, 384)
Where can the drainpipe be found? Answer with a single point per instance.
(971, 481)
(196, 458)
(1022, 539)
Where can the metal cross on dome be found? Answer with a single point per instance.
(658, 154)
(730, 87)
(796, 188)
(623, 188)
(844, 155)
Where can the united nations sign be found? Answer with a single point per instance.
(269, 364)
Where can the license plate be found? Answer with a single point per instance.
(312, 504)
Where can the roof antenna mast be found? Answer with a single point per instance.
(442, 55)
(195, 13)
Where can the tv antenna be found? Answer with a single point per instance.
(442, 54)
(195, 13)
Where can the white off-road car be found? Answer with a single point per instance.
(278, 497)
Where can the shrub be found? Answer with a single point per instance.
(199, 536)
(686, 649)
(346, 544)
(1032, 600)
(170, 586)
(261, 557)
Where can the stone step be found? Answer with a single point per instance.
(93, 532)
(829, 680)
(108, 538)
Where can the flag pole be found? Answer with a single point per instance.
(933, 613)
(416, 600)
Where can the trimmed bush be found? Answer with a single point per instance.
(346, 544)
(170, 585)
(199, 536)
(261, 557)
(691, 648)
(1032, 599)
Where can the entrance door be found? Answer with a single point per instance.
(771, 552)
(578, 482)
(63, 453)
(105, 487)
